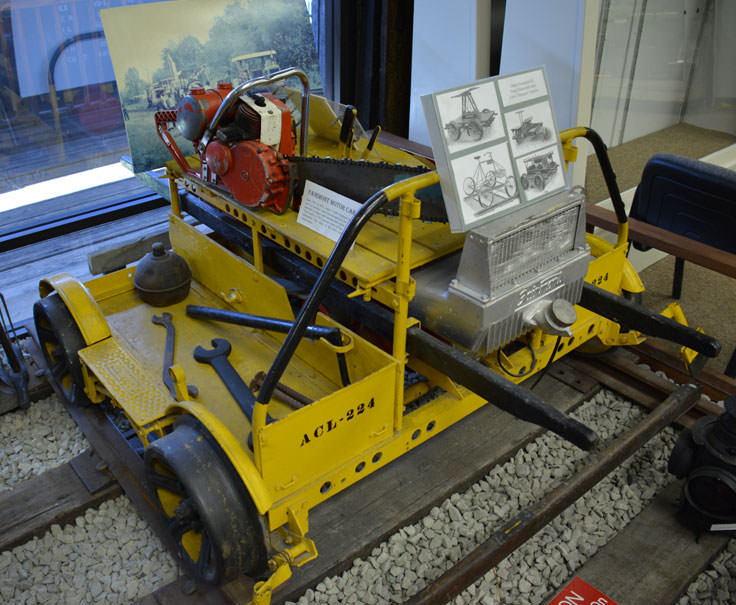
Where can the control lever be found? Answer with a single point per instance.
(637, 317)
(346, 131)
(502, 393)
(165, 320)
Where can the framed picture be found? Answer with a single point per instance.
(496, 146)
(161, 51)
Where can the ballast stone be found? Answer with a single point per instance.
(465, 519)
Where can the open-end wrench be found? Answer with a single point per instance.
(217, 358)
(165, 320)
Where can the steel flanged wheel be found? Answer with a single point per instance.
(60, 341)
(210, 515)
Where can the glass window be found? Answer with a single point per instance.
(59, 109)
(661, 63)
(59, 106)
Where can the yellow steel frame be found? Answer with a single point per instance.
(351, 431)
(368, 268)
(82, 306)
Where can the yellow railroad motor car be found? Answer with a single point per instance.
(294, 366)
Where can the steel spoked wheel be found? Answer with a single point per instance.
(490, 180)
(486, 197)
(510, 186)
(60, 341)
(469, 188)
(453, 132)
(209, 513)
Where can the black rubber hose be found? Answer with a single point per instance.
(601, 152)
(309, 309)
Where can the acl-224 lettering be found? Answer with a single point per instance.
(332, 424)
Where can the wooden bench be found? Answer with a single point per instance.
(679, 246)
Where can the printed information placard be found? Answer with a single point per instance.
(579, 592)
(496, 145)
(325, 211)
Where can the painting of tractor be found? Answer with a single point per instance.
(254, 65)
(529, 130)
(165, 93)
(472, 120)
(539, 170)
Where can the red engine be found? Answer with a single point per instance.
(246, 152)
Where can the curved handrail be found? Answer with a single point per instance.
(241, 89)
(64, 45)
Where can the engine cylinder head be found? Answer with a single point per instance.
(249, 120)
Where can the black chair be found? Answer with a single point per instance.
(693, 199)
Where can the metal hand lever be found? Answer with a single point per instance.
(165, 320)
(330, 334)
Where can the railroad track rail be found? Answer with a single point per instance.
(113, 467)
(623, 371)
(522, 527)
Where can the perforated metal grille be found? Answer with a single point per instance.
(532, 248)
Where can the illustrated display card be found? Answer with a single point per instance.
(496, 145)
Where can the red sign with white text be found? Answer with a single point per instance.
(579, 592)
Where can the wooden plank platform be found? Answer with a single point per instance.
(21, 269)
(654, 559)
(74, 202)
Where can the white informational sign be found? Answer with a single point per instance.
(325, 211)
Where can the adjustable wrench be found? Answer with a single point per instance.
(165, 320)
